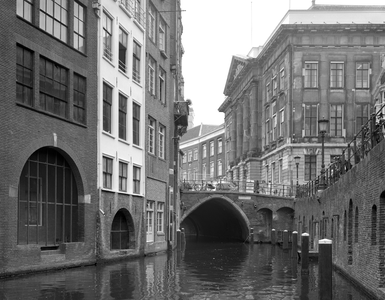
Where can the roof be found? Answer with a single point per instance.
(347, 7)
(199, 131)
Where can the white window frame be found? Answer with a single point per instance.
(160, 217)
(151, 76)
(162, 132)
(151, 135)
(220, 145)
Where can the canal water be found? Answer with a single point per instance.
(202, 271)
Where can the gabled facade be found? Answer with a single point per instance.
(318, 63)
(48, 113)
(163, 76)
(121, 127)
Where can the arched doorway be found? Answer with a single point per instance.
(47, 201)
(122, 231)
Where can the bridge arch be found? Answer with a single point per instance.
(216, 216)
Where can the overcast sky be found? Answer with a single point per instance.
(215, 30)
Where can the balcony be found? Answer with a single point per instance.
(181, 112)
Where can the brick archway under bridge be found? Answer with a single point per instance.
(229, 215)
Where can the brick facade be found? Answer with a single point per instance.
(351, 213)
(27, 128)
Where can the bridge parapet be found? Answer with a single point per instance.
(249, 187)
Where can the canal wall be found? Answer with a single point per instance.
(352, 214)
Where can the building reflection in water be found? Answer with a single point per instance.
(203, 270)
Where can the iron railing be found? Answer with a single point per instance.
(371, 133)
(134, 9)
(242, 186)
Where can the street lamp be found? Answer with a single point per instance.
(296, 159)
(323, 127)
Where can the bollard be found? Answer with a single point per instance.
(305, 252)
(325, 269)
(178, 239)
(183, 239)
(294, 245)
(285, 239)
(251, 241)
(273, 236)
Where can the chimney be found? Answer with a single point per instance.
(312, 2)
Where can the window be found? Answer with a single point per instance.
(311, 112)
(189, 156)
(184, 158)
(79, 99)
(107, 172)
(107, 104)
(275, 86)
(136, 180)
(373, 236)
(274, 121)
(220, 168)
(273, 172)
(204, 151)
(282, 79)
(151, 136)
(150, 221)
(119, 232)
(151, 76)
(281, 127)
(122, 117)
(122, 177)
(211, 148)
(162, 36)
(336, 75)
(195, 154)
(162, 86)
(267, 125)
(151, 23)
(24, 9)
(336, 120)
(280, 170)
(160, 217)
(53, 18)
(219, 145)
(53, 87)
(311, 75)
(362, 115)
(24, 75)
(136, 124)
(204, 172)
(268, 91)
(47, 192)
(107, 36)
(162, 132)
(136, 62)
(212, 169)
(310, 167)
(362, 75)
(123, 37)
(79, 27)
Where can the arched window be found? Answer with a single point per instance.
(356, 226)
(350, 233)
(345, 226)
(119, 232)
(373, 237)
(48, 200)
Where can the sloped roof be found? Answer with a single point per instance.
(199, 131)
(347, 7)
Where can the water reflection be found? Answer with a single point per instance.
(202, 271)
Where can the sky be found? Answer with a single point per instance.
(216, 30)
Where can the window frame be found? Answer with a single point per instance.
(161, 140)
(162, 85)
(360, 75)
(310, 120)
(151, 135)
(79, 34)
(78, 94)
(123, 103)
(136, 123)
(26, 80)
(52, 19)
(136, 170)
(311, 75)
(151, 23)
(108, 167)
(136, 58)
(151, 76)
(107, 35)
(123, 46)
(334, 131)
(160, 217)
(212, 150)
(162, 35)
(123, 176)
(337, 80)
(22, 11)
(107, 107)
(310, 167)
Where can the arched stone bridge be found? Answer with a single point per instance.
(229, 215)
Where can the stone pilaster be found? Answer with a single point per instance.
(246, 123)
(233, 135)
(239, 130)
(253, 117)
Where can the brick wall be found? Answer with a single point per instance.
(353, 214)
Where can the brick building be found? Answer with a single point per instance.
(204, 153)
(318, 63)
(121, 133)
(48, 188)
(163, 73)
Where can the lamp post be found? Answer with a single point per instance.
(296, 159)
(323, 126)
